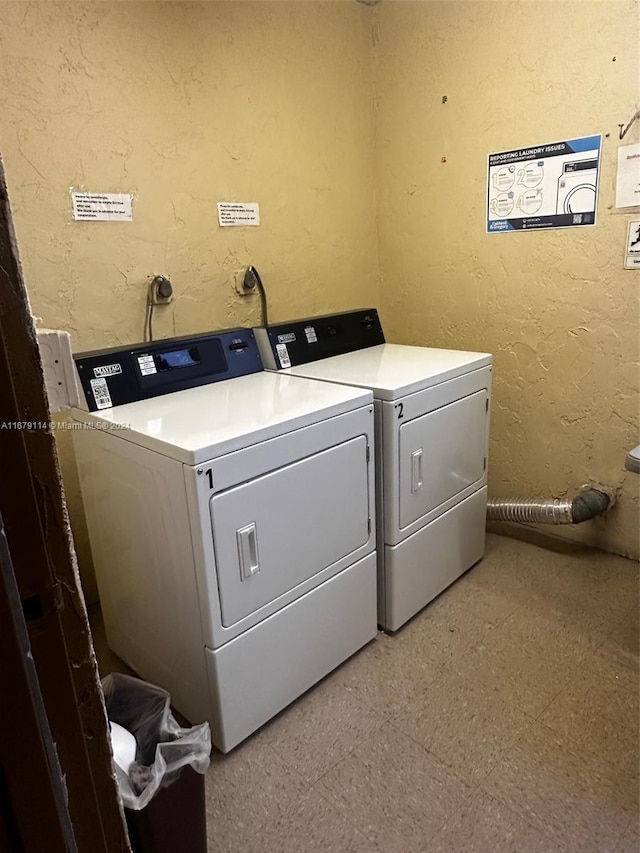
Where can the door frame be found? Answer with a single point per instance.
(48, 598)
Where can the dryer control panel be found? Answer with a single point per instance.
(119, 375)
(301, 341)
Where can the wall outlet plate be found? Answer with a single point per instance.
(154, 286)
(238, 284)
(60, 377)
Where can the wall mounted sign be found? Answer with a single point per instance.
(238, 213)
(628, 179)
(632, 252)
(554, 185)
(102, 207)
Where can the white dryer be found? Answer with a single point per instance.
(231, 518)
(432, 431)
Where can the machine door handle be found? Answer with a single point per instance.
(247, 539)
(416, 471)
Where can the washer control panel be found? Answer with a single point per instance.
(119, 375)
(301, 341)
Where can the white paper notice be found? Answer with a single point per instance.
(628, 180)
(238, 213)
(102, 207)
(632, 253)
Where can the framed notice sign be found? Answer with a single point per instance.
(546, 186)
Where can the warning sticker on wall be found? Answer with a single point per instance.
(102, 207)
(632, 253)
(546, 186)
(238, 213)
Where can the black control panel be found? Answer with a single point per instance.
(119, 375)
(301, 341)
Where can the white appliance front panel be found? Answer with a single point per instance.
(264, 669)
(441, 454)
(420, 567)
(218, 475)
(455, 448)
(274, 532)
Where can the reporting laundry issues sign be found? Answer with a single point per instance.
(554, 185)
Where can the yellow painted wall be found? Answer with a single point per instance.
(185, 105)
(555, 308)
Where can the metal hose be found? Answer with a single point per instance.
(588, 504)
(530, 511)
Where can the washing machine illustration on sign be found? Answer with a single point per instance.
(577, 187)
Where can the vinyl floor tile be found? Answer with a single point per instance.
(484, 825)
(630, 841)
(245, 790)
(384, 676)
(312, 826)
(599, 711)
(501, 582)
(622, 643)
(442, 632)
(320, 729)
(529, 658)
(394, 791)
(565, 793)
(585, 593)
(527, 632)
(465, 722)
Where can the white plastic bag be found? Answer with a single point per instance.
(163, 745)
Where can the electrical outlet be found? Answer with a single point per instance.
(161, 290)
(238, 284)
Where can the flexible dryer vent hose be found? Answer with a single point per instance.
(585, 506)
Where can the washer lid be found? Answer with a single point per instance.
(202, 423)
(393, 370)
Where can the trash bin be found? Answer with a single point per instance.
(163, 792)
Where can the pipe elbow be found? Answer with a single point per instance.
(589, 504)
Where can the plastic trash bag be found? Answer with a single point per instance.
(163, 745)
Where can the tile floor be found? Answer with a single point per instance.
(504, 717)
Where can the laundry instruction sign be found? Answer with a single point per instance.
(102, 207)
(234, 213)
(554, 185)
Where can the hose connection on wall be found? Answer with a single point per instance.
(252, 280)
(590, 502)
(159, 292)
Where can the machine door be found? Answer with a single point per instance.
(442, 453)
(276, 531)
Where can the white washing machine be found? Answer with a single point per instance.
(231, 515)
(432, 432)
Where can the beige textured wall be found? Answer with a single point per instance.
(185, 105)
(555, 308)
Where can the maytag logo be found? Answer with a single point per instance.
(107, 370)
(289, 338)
